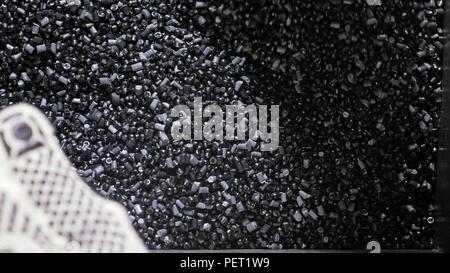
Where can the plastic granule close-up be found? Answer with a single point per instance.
(359, 89)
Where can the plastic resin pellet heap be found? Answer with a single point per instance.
(359, 89)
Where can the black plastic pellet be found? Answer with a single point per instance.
(41, 48)
(137, 66)
(29, 48)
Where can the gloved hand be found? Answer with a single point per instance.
(44, 205)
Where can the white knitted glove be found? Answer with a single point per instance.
(44, 205)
